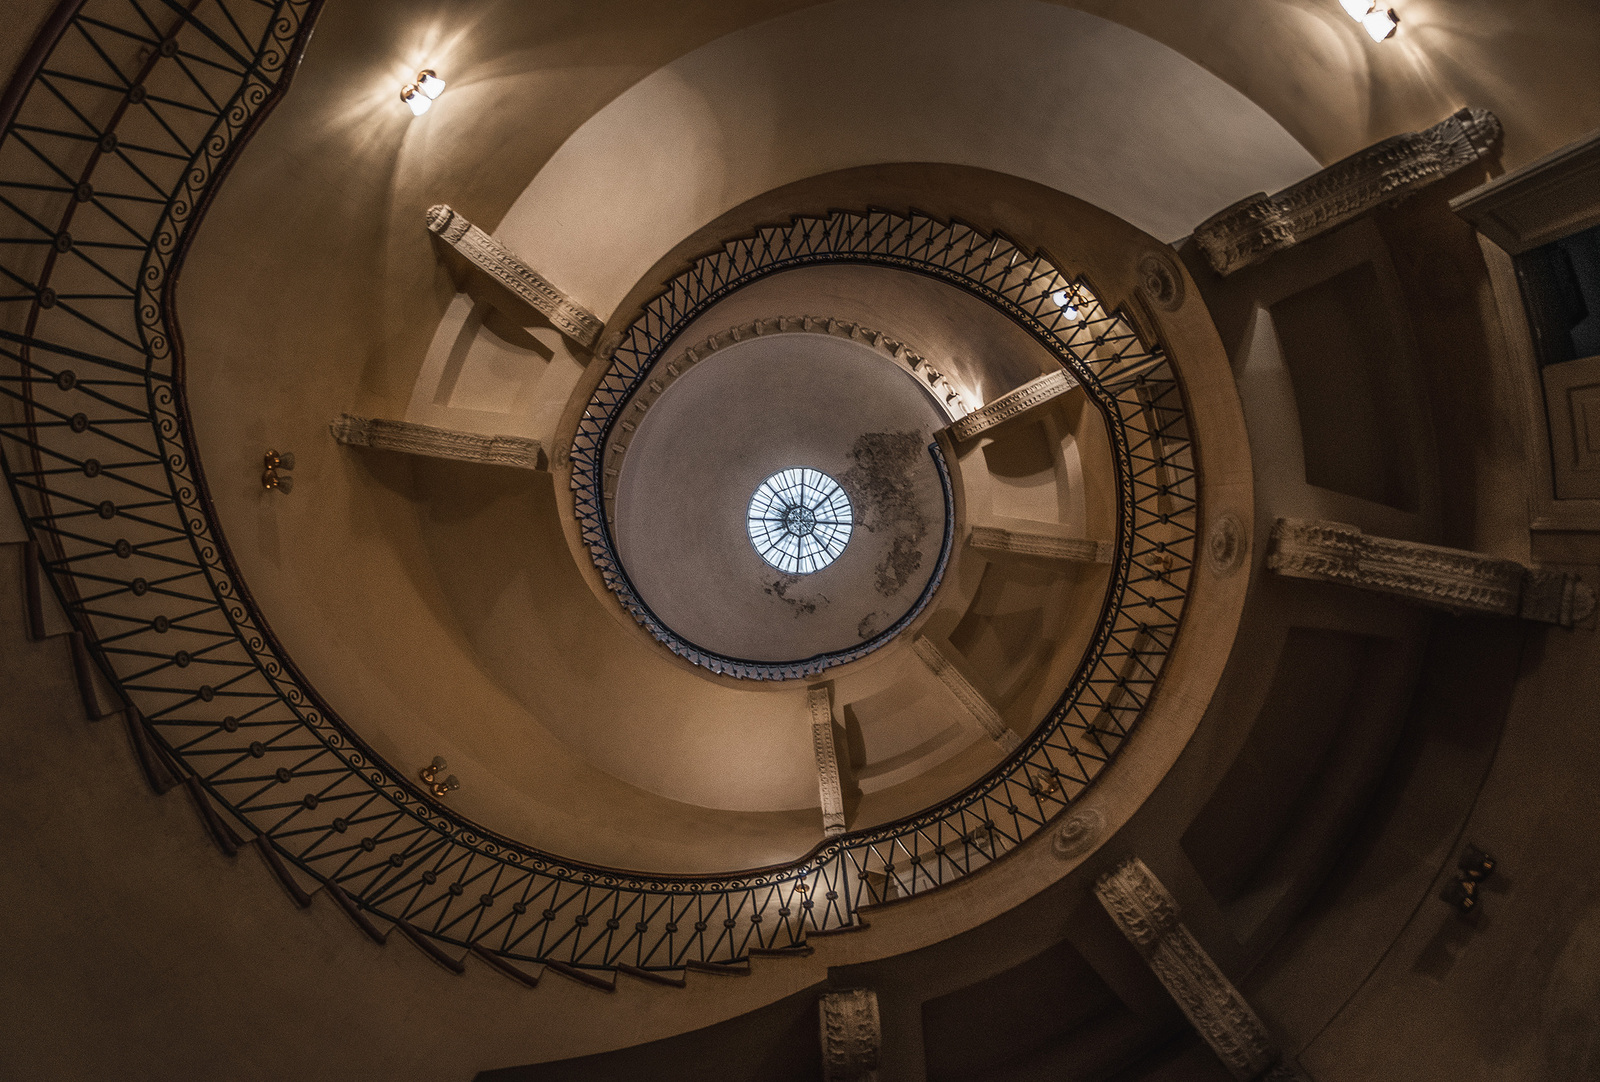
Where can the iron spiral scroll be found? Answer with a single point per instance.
(118, 130)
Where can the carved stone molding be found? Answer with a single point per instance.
(987, 717)
(994, 539)
(852, 1036)
(820, 701)
(414, 439)
(1255, 228)
(1012, 404)
(1080, 833)
(1445, 578)
(665, 375)
(1161, 281)
(567, 315)
(1225, 544)
(1147, 914)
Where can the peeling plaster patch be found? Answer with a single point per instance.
(800, 606)
(881, 488)
(870, 625)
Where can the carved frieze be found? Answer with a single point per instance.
(1255, 228)
(1080, 550)
(820, 701)
(1013, 404)
(987, 717)
(666, 374)
(852, 1035)
(1446, 578)
(1147, 914)
(565, 314)
(415, 439)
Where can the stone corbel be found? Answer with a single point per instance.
(852, 1035)
(1046, 546)
(1012, 404)
(430, 442)
(987, 717)
(1147, 914)
(820, 702)
(1445, 578)
(565, 314)
(1255, 228)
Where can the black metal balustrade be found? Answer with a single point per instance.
(116, 134)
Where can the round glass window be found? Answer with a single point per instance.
(799, 520)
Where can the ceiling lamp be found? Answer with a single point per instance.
(420, 94)
(1378, 22)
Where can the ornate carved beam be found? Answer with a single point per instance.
(1255, 228)
(1012, 404)
(820, 700)
(987, 717)
(566, 314)
(1445, 578)
(1012, 542)
(1147, 914)
(414, 439)
(852, 1036)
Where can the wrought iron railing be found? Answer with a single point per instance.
(116, 134)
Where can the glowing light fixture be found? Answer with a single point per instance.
(418, 101)
(429, 83)
(419, 95)
(1380, 24)
(1063, 301)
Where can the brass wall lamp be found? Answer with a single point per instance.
(275, 467)
(430, 776)
(419, 95)
(1473, 868)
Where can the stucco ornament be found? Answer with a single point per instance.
(1081, 832)
(1254, 228)
(1446, 578)
(852, 1035)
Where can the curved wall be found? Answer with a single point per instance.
(1034, 90)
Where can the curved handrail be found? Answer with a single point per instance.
(123, 131)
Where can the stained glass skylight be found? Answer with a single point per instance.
(799, 520)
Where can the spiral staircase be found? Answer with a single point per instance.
(1091, 785)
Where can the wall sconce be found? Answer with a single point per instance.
(420, 94)
(1379, 23)
(430, 775)
(1063, 300)
(275, 469)
(429, 83)
(1473, 868)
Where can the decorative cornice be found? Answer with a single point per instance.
(1255, 228)
(852, 1036)
(664, 375)
(987, 717)
(1079, 550)
(1012, 404)
(415, 439)
(496, 260)
(1147, 914)
(1446, 578)
(819, 700)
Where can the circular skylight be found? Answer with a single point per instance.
(799, 520)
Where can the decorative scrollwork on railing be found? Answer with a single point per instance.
(121, 125)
